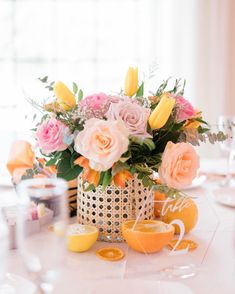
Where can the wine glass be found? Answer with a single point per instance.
(226, 124)
(4, 247)
(41, 225)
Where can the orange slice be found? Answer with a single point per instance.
(110, 253)
(182, 245)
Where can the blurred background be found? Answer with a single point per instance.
(92, 42)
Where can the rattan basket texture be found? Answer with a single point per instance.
(108, 209)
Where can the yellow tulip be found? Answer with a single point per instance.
(161, 113)
(65, 98)
(131, 82)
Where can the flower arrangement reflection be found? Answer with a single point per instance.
(110, 139)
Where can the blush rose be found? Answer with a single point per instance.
(102, 142)
(133, 115)
(179, 166)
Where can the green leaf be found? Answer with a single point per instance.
(91, 187)
(75, 88)
(43, 80)
(74, 156)
(71, 173)
(107, 179)
(162, 87)
(64, 165)
(101, 178)
(140, 91)
(145, 181)
(49, 88)
(132, 170)
(201, 121)
(80, 95)
(118, 167)
(51, 161)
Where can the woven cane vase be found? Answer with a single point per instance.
(108, 209)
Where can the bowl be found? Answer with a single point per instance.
(81, 238)
(147, 236)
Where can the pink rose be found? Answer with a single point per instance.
(95, 105)
(133, 115)
(179, 166)
(184, 109)
(102, 142)
(53, 135)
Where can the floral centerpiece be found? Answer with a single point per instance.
(113, 139)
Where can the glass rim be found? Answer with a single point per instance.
(226, 116)
(39, 187)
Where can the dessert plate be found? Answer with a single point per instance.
(225, 196)
(138, 287)
(14, 284)
(197, 182)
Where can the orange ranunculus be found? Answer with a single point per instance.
(82, 161)
(121, 178)
(192, 123)
(90, 175)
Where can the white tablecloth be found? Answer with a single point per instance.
(215, 255)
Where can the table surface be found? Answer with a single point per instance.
(215, 256)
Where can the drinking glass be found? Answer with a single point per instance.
(41, 225)
(4, 247)
(226, 124)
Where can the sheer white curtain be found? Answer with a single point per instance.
(94, 41)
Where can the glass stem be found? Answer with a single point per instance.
(229, 168)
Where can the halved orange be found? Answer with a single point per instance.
(147, 236)
(110, 253)
(182, 245)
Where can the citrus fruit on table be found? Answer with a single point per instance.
(147, 236)
(110, 253)
(182, 245)
(158, 202)
(80, 238)
(184, 209)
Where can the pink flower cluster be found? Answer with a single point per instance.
(133, 115)
(53, 135)
(184, 109)
(97, 105)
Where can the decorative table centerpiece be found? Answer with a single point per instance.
(116, 144)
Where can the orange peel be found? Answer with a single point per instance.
(110, 253)
(182, 245)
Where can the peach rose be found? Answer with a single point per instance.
(179, 166)
(102, 142)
